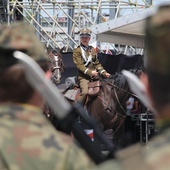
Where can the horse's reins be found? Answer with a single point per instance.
(119, 101)
(115, 87)
(119, 88)
(115, 109)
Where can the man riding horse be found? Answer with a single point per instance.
(87, 63)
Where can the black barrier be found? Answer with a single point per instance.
(111, 63)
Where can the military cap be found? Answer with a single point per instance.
(21, 36)
(157, 42)
(85, 32)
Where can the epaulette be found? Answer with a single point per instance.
(77, 47)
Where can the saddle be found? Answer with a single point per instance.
(72, 94)
(71, 89)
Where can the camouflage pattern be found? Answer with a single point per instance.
(158, 41)
(153, 156)
(22, 36)
(29, 142)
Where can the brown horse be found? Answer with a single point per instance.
(56, 65)
(109, 107)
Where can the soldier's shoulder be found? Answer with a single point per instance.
(132, 158)
(160, 142)
(76, 49)
(129, 151)
(159, 151)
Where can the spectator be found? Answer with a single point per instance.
(129, 105)
(137, 107)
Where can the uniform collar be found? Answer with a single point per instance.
(85, 48)
(22, 112)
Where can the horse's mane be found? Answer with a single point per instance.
(118, 79)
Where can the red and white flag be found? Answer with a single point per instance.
(89, 132)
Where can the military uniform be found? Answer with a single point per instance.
(152, 156)
(21, 36)
(28, 142)
(85, 59)
(156, 154)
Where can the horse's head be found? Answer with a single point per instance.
(138, 72)
(56, 65)
(122, 89)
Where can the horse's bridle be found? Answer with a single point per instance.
(58, 59)
(118, 100)
(119, 88)
(116, 112)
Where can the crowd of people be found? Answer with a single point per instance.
(29, 142)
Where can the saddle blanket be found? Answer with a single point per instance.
(71, 94)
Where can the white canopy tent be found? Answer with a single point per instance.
(126, 30)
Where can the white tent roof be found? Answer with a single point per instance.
(126, 30)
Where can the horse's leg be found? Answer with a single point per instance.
(110, 138)
(119, 136)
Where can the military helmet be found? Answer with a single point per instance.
(158, 41)
(85, 32)
(21, 36)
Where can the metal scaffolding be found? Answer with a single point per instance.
(57, 22)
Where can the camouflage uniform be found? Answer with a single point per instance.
(28, 141)
(156, 154)
(22, 37)
(84, 67)
(153, 156)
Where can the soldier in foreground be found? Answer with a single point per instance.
(27, 140)
(157, 83)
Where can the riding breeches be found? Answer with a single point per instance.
(83, 90)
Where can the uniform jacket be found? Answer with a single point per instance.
(29, 142)
(85, 71)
